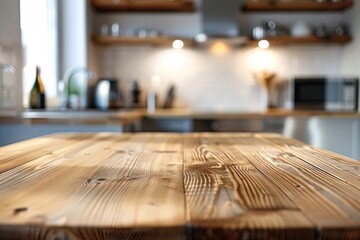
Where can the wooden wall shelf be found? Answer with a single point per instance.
(287, 40)
(167, 41)
(295, 6)
(144, 5)
(125, 40)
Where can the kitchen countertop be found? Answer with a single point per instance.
(125, 116)
(185, 113)
(176, 186)
(116, 117)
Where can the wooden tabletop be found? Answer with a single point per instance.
(176, 186)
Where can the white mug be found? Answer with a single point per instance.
(115, 29)
(300, 29)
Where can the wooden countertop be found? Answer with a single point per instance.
(128, 116)
(122, 117)
(185, 113)
(176, 186)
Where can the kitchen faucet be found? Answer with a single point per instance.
(7, 68)
(66, 103)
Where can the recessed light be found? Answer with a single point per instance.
(263, 44)
(178, 44)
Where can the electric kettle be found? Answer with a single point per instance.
(107, 95)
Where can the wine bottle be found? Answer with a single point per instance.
(37, 94)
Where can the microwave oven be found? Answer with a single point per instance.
(321, 93)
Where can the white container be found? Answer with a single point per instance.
(151, 102)
(301, 29)
(115, 29)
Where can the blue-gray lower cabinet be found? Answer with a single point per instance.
(11, 133)
(339, 135)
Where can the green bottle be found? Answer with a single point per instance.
(37, 94)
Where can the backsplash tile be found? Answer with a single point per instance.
(208, 81)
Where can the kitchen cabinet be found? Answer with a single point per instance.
(228, 125)
(35, 123)
(12, 133)
(145, 5)
(340, 135)
(167, 125)
(274, 125)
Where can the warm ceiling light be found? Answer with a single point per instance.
(219, 48)
(263, 44)
(178, 44)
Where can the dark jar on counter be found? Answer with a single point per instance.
(135, 94)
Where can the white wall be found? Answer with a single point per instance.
(206, 80)
(73, 43)
(73, 37)
(10, 22)
(182, 24)
(10, 53)
(92, 51)
(351, 57)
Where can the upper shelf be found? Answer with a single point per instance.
(288, 40)
(129, 40)
(295, 6)
(144, 5)
(168, 41)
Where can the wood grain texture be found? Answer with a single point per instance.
(108, 185)
(176, 186)
(256, 186)
(241, 200)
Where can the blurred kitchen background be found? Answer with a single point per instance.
(221, 70)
